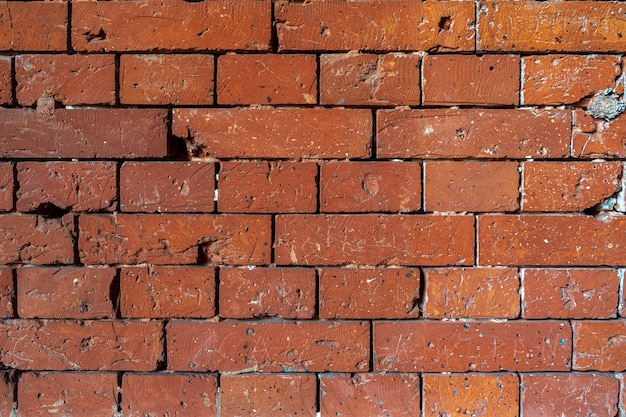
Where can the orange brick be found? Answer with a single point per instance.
(471, 292)
(569, 186)
(167, 292)
(6, 186)
(267, 79)
(266, 395)
(369, 293)
(566, 79)
(267, 292)
(166, 79)
(473, 133)
(370, 187)
(598, 138)
(599, 345)
(7, 293)
(366, 394)
(33, 26)
(493, 395)
(6, 93)
(375, 26)
(469, 79)
(369, 79)
(267, 187)
(471, 186)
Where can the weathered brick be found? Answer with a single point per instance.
(69, 79)
(81, 345)
(341, 346)
(568, 240)
(599, 345)
(6, 88)
(6, 186)
(573, 394)
(267, 292)
(166, 292)
(7, 393)
(551, 26)
(65, 293)
(75, 186)
(471, 394)
(471, 292)
(369, 79)
(7, 293)
(167, 186)
(33, 26)
(374, 240)
(568, 186)
(267, 79)
(366, 394)
(266, 395)
(36, 240)
(566, 79)
(570, 293)
(169, 394)
(83, 133)
(370, 187)
(374, 26)
(435, 346)
(274, 133)
(156, 25)
(267, 187)
(369, 293)
(471, 186)
(473, 133)
(470, 79)
(67, 394)
(166, 79)
(174, 239)
(598, 138)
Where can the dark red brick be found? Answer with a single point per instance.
(7, 294)
(6, 88)
(7, 393)
(33, 26)
(6, 186)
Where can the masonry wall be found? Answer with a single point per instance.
(255, 208)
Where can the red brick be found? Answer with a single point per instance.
(374, 26)
(166, 79)
(76, 186)
(470, 79)
(265, 79)
(169, 394)
(78, 133)
(370, 187)
(36, 240)
(7, 393)
(7, 293)
(374, 240)
(166, 292)
(174, 239)
(458, 395)
(69, 79)
(369, 79)
(6, 186)
(568, 186)
(569, 395)
(81, 345)
(341, 346)
(435, 346)
(366, 394)
(473, 133)
(6, 92)
(551, 26)
(566, 79)
(274, 133)
(598, 138)
(267, 187)
(266, 395)
(471, 292)
(471, 186)
(33, 26)
(154, 24)
(267, 292)
(599, 345)
(167, 186)
(369, 293)
(67, 394)
(569, 240)
(65, 293)
(570, 293)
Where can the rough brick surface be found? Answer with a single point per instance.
(592, 138)
(6, 93)
(7, 392)
(7, 291)
(599, 345)
(6, 186)
(33, 26)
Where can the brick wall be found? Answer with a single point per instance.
(254, 208)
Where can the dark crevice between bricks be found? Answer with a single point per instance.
(118, 191)
(115, 294)
(215, 75)
(318, 393)
(13, 84)
(216, 301)
(70, 48)
(274, 36)
(373, 150)
(273, 240)
(422, 294)
(76, 234)
(216, 188)
(13, 295)
(176, 146)
(318, 181)
(316, 313)
(16, 186)
(118, 86)
(372, 358)
(162, 361)
(120, 378)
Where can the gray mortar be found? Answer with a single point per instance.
(606, 105)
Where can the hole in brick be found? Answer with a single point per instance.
(94, 37)
(203, 254)
(84, 308)
(444, 23)
(51, 211)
